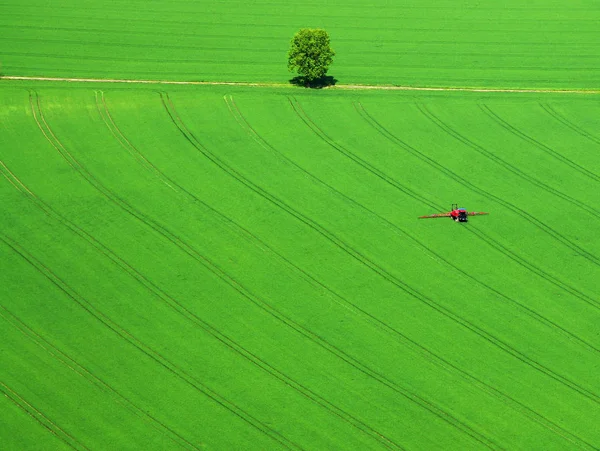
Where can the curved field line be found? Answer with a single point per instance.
(515, 131)
(524, 309)
(443, 310)
(229, 405)
(426, 353)
(121, 264)
(411, 396)
(38, 416)
(566, 122)
(510, 254)
(76, 367)
(260, 303)
(399, 231)
(236, 347)
(519, 173)
(405, 340)
(377, 268)
(155, 356)
(286, 85)
(524, 214)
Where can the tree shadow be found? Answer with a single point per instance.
(317, 83)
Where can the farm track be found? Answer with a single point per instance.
(236, 347)
(287, 85)
(566, 122)
(413, 397)
(430, 355)
(378, 269)
(37, 415)
(493, 243)
(174, 369)
(525, 215)
(443, 310)
(546, 149)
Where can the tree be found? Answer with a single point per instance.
(310, 54)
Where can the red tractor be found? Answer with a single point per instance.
(456, 214)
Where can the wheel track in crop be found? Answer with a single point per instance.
(440, 308)
(378, 269)
(198, 322)
(519, 173)
(523, 214)
(40, 417)
(546, 149)
(494, 243)
(236, 347)
(263, 305)
(174, 369)
(148, 351)
(399, 231)
(405, 340)
(566, 122)
(88, 375)
(124, 266)
(413, 397)
(426, 353)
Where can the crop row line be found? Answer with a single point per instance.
(494, 243)
(154, 355)
(424, 351)
(411, 396)
(438, 307)
(263, 365)
(39, 416)
(36, 337)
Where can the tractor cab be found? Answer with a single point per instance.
(458, 214)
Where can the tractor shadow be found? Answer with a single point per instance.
(318, 83)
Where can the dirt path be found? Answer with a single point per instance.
(284, 85)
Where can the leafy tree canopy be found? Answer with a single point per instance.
(310, 54)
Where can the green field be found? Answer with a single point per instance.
(232, 268)
(538, 43)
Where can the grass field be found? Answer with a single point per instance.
(539, 43)
(229, 267)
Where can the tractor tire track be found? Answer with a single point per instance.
(515, 131)
(149, 352)
(228, 405)
(405, 340)
(413, 397)
(260, 303)
(79, 369)
(39, 416)
(531, 179)
(566, 122)
(524, 214)
(416, 347)
(401, 232)
(494, 243)
(443, 310)
(179, 308)
(46, 209)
